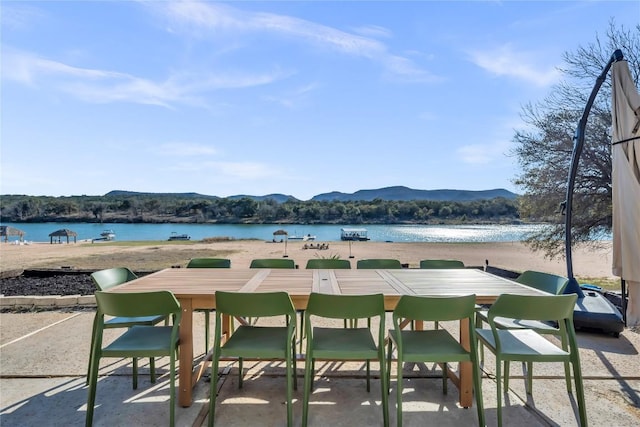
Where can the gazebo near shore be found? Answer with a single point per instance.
(6, 231)
(64, 232)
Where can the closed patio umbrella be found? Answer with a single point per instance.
(625, 115)
(282, 232)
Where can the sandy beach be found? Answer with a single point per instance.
(515, 256)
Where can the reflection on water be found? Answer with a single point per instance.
(461, 233)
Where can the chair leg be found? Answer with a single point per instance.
(480, 344)
(444, 378)
(152, 369)
(206, 331)
(172, 390)
(92, 349)
(213, 393)
(389, 356)
(499, 388)
(529, 387)
(93, 384)
(506, 372)
(399, 391)
(477, 388)
(240, 372)
(368, 376)
(308, 386)
(384, 388)
(567, 370)
(135, 373)
(302, 333)
(577, 376)
(294, 360)
(290, 374)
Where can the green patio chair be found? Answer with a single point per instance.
(208, 263)
(436, 345)
(260, 342)
(379, 263)
(272, 263)
(527, 345)
(326, 343)
(546, 282)
(441, 263)
(328, 263)
(436, 264)
(105, 280)
(323, 263)
(137, 341)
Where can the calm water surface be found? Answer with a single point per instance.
(395, 233)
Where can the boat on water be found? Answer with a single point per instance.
(106, 235)
(303, 238)
(176, 236)
(354, 234)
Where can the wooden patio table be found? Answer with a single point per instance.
(195, 289)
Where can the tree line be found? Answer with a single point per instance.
(185, 209)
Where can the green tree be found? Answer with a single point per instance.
(544, 148)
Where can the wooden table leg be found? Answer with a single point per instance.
(186, 354)
(466, 368)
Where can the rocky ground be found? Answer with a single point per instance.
(61, 284)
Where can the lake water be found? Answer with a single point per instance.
(39, 232)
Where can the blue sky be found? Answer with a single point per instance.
(299, 98)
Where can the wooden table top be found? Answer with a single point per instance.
(200, 284)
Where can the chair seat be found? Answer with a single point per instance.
(126, 322)
(507, 323)
(141, 341)
(256, 341)
(522, 345)
(350, 343)
(430, 346)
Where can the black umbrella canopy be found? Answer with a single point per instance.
(280, 232)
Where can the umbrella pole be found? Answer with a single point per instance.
(578, 143)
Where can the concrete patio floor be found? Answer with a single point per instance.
(44, 356)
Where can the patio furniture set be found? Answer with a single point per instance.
(157, 311)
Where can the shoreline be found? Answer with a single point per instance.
(514, 256)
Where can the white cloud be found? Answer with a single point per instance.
(373, 31)
(505, 61)
(210, 19)
(103, 86)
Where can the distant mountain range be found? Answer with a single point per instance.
(398, 193)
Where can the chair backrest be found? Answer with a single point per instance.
(138, 304)
(444, 308)
(345, 306)
(209, 263)
(379, 263)
(441, 263)
(328, 263)
(106, 279)
(533, 307)
(254, 304)
(272, 263)
(543, 281)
